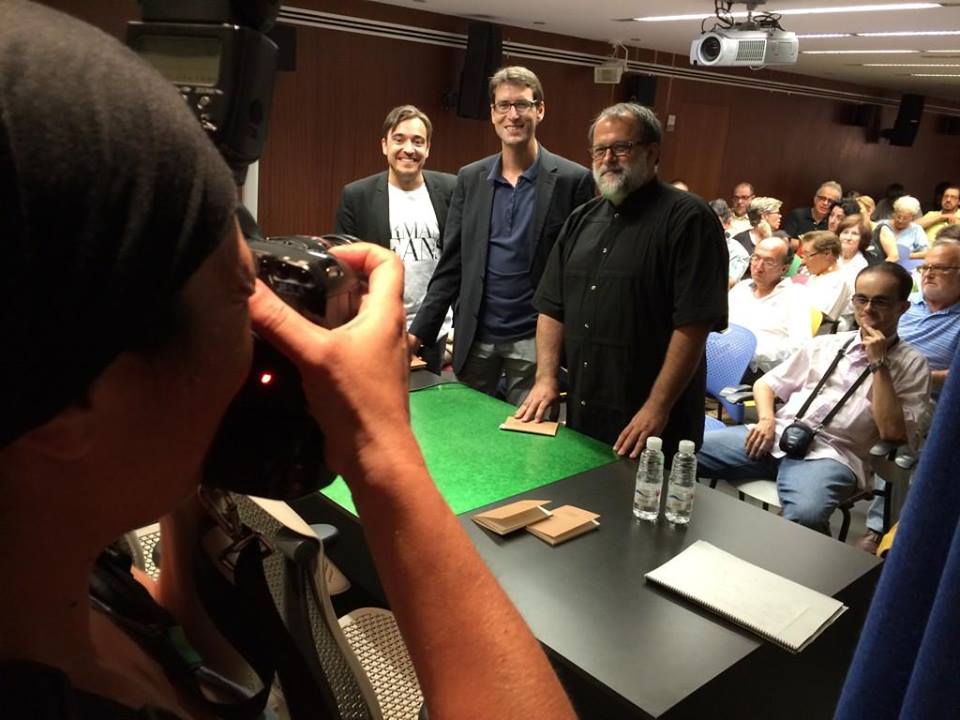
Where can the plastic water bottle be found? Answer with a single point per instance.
(683, 480)
(646, 498)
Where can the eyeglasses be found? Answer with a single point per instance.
(766, 262)
(521, 106)
(743, 197)
(823, 198)
(879, 302)
(806, 255)
(619, 149)
(937, 269)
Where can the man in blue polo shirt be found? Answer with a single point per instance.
(505, 215)
(932, 326)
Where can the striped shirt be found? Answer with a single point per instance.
(934, 334)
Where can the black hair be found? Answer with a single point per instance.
(904, 281)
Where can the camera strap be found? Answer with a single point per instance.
(823, 381)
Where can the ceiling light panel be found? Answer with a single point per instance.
(802, 11)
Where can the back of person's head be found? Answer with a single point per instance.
(860, 222)
(760, 206)
(112, 198)
(400, 114)
(821, 241)
(894, 190)
(867, 205)
(849, 206)
(902, 279)
(785, 236)
(722, 210)
(907, 204)
(950, 233)
(516, 75)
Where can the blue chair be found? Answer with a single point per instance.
(711, 423)
(904, 260)
(728, 357)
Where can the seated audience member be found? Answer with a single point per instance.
(764, 215)
(827, 287)
(846, 206)
(867, 208)
(884, 208)
(937, 202)
(739, 259)
(901, 229)
(804, 219)
(743, 193)
(796, 264)
(948, 214)
(128, 353)
(890, 401)
(855, 238)
(775, 309)
(932, 326)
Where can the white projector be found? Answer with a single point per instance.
(731, 48)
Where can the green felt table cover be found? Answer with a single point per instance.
(473, 462)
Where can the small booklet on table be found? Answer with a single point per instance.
(566, 523)
(545, 427)
(507, 518)
(780, 610)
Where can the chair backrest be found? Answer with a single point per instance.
(728, 356)
(307, 610)
(816, 317)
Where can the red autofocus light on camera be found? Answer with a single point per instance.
(266, 378)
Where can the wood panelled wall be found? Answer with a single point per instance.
(327, 117)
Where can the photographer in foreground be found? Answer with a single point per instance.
(127, 303)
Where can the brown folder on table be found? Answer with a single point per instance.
(565, 523)
(534, 428)
(507, 518)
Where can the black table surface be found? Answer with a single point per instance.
(626, 648)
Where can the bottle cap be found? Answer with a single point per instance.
(654, 443)
(687, 447)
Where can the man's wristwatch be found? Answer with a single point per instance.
(881, 363)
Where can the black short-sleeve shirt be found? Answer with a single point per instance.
(620, 279)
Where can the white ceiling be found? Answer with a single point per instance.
(603, 20)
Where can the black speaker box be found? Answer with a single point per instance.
(641, 89)
(904, 130)
(483, 58)
(861, 115)
(285, 36)
(949, 125)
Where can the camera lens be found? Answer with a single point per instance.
(710, 49)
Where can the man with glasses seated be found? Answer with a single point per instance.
(743, 193)
(932, 326)
(848, 391)
(804, 219)
(636, 281)
(774, 309)
(504, 218)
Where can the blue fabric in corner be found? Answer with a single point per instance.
(907, 664)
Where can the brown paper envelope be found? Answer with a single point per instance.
(514, 508)
(564, 519)
(534, 428)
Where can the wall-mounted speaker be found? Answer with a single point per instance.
(640, 89)
(483, 58)
(285, 36)
(904, 130)
(860, 115)
(949, 125)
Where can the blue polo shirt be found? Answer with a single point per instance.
(507, 312)
(934, 334)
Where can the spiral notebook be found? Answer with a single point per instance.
(780, 610)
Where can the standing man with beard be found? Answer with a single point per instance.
(506, 213)
(634, 284)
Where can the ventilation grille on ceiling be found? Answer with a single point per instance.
(751, 50)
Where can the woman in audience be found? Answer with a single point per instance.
(855, 237)
(867, 208)
(827, 286)
(901, 229)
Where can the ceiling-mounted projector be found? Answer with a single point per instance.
(610, 72)
(731, 47)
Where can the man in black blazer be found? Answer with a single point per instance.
(506, 213)
(404, 209)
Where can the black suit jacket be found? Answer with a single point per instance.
(458, 280)
(364, 209)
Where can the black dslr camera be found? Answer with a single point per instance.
(217, 54)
